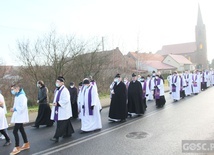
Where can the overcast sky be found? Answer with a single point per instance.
(131, 25)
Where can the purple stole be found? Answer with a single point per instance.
(89, 102)
(157, 91)
(57, 107)
(144, 89)
(174, 81)
(194, 81)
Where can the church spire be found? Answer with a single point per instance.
(199, 21)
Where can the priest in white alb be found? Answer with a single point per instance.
(61, 111)
(90, 108)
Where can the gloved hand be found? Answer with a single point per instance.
(83, 107)
(147, 94)
(37, 101)
(92, 107)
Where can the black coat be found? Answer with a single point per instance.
(135, 98)
(43, 95)
(44, 111)
(73, 98)
(118, 107)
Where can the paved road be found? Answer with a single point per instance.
(159, 131)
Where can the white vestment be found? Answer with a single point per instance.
(196, 83)
(150, 85)
(3, 111)
(90, 121)
(64, 110)
(176, 81)
(188, 87)
(3, 120)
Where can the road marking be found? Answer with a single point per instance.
(98, 134)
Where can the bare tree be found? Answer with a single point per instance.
(53, 55)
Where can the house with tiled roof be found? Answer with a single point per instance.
(148, 62)
(178, 61)
(157, 66)
(145, 56)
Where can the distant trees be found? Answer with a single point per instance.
(52, 55)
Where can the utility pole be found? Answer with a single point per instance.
(103, 43)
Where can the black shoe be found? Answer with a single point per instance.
(97, 130)
(123, 120)
(35, 126)
(66, 136)
(49, 125)
(83, 132)
(130, 115)
(55, 139)
(7, 143)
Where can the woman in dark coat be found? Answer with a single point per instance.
(44, 111)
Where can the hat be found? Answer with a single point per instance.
(117, 76)
(61, 78)
(71, 83)
(133, 75)
(86, 81)
(80, 84)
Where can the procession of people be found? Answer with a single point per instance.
(127, 99)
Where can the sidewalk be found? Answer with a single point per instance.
(105, 102)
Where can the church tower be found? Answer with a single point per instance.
(201, 43)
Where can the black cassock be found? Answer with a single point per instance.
(135, 99)
(73, 99)
(118, 106)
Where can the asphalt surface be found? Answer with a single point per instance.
(158, 131)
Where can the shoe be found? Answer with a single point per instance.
(2, 137)
(35, 126)
(49, 125)
(16, 150)
(114, 120)
(55, 139)
(123, 120)
(25, 146)
(83, 132)
(97, 130)
(129, 115)
(7, 143)
(66, 136)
